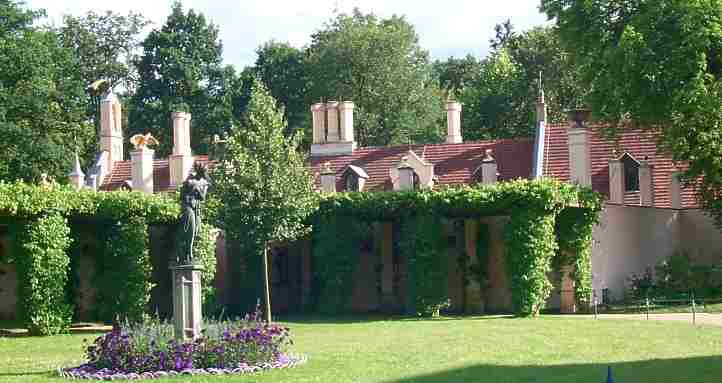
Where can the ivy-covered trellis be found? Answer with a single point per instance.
(38, 217)
(550, 224)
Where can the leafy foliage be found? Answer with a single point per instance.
(42, 270)
(656, 64)
(378, 64)
(180, 70)
(39, 214)
(42, 104)
(124, 272)
(423, 246)
(204, 250)
(531, 239)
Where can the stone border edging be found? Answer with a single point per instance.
(87, 372)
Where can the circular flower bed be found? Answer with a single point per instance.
(149, 350)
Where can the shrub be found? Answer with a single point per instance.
(679, 275)
(150, 347)
(641, 285)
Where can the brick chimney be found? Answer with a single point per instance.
(181, 161)
(345, 110)
(111, 132)
(332, 133)
(319, 125)
(646, 187)
(578, 141)
(405, 174)
(453, 122)
(616, 181)
(489, 169)
(328, 179)
(141, 163)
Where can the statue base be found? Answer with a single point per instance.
(187, 311)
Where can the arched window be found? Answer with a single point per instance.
(631, 173)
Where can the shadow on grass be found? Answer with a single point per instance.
(33, 373)
(690, 370)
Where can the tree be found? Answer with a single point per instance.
(105, 46)
(42, 101)
(262, 182)
(379, 65)
(281, 68)
(499, 97)
(180, 70)
(655, 64)
(455, 75)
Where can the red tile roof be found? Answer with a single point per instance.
(161, 175)
(637, 142)
(453, 163)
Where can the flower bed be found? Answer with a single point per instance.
(149, 351)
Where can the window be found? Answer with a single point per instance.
(631, 173)
(351, 182)
(417, 181)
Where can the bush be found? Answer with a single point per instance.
(679, 275)
(150, 347)
(641, 285)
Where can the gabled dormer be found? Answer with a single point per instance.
(422, 169)
(354, 178)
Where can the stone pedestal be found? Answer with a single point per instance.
(187, 311)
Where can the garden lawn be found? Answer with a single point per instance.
(476, 349)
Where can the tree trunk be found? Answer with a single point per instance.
(266, 287)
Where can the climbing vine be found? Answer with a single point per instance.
(423, 245)
(336, 244)
(531, 240)
(44, 265)
(40, 215)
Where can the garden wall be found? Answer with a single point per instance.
(629, 239)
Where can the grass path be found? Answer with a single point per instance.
(480, 349)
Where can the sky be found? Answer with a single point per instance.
(445, 28)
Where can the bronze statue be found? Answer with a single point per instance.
(192, 194)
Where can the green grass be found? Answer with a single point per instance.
(477, 349)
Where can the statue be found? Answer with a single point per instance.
(192, 194)
(142, 141)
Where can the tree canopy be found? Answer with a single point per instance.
(180, 70)
(42, 102)
(655, 64)
(378, 64)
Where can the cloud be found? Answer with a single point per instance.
(445, 28)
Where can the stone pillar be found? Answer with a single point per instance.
(453, 123)
(111, 133)
(616, 181)
(141, 163)
(181, 161)
(568, 303)
(388, 300)
(646, 188)
(474, 301)
(187, 312)
(332, 133)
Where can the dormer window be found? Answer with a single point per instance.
(354, 178)
(631, 173)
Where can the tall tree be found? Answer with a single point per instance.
(106, 46)
(455, 75)
(655, 64)
(42, 102)
(180, 69)
(262, 182)
(378, 64)
(281, 68)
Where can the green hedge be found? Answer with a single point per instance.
(42, 268)
(39, 214)
(533, 235)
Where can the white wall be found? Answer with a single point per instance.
(629, 239)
